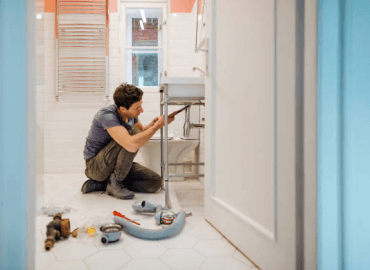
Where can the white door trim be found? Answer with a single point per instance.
(310, 135)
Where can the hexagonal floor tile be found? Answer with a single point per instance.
(220, 263)
(107, 259)
(214, 248)
(197, 220)
(187, 227)
(205, 232)
(70, 265)
(183, 258)
(182, 240)
(238, 255)
(145, 264)
(73, 249)
(145, 249)
(44, 259)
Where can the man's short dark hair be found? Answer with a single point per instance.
(126, 95)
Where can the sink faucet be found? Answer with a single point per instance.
(202, 72)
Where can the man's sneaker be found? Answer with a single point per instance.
(92, 185)
(118, 190)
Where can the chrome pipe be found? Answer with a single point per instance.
(167, 199)
(186, 175)
(161, 113)
(187, 123)
(183, 163)
(196, 27)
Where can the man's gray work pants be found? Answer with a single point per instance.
(116, 163)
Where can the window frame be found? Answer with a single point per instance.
(122, 39)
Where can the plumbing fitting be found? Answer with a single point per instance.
(57, 228)
(111, 233)
(187, 123)
(146, 206)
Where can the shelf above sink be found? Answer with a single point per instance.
(184, 87)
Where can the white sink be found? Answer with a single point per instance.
(184, 87)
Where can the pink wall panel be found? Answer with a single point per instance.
(183, 6)
(49, 5)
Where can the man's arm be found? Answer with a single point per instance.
(134, 142)
(140, 126)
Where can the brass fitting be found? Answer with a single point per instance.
(55, 229)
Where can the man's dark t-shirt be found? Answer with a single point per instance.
(98, 136)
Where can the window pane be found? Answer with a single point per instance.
(148, 36)
(143, 67)
(142, 27)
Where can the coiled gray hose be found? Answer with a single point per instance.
(150, 234)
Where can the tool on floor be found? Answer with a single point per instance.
(111, 232)
(118, 214)
(56, 229)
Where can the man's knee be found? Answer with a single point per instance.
(156, 183)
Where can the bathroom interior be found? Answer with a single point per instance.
(271, 70)
(164, 34)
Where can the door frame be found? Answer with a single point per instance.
(309, 164)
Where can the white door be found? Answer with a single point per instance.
(250, 184)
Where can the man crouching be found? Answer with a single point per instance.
(112, 143)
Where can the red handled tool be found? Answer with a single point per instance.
(118, 214)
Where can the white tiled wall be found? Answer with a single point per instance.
(182, 59)
(66, 121)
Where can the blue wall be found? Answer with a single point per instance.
(14, 134)
(344, 134)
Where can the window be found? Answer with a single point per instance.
(143, 45)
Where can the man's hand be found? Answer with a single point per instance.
(154, 121)
(160, 122)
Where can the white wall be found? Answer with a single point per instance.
(65, 123)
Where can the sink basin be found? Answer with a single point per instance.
(184, 87)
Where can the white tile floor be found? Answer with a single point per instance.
(197, 246)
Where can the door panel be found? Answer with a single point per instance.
(250, 184)
(246, 91)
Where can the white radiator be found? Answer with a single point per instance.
(81, 53)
